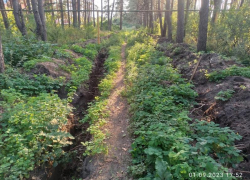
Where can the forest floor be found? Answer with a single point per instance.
(114, 164)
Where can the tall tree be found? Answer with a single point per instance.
(180, 22)
(160, 17)
(188, 3)
(111, 18)
(79, 12)
(217, 6)
(74, 13)
(101, 12)
(28, 4)
(225, 5)
(169, 20)
(241, 3)
(37, 8)
(17, 10)
(52, 8)
(108, 12)
(94, 12)
(121, 9)
(203, 23)
(68, 12)
(1, 57)
(85, 16)
(4, 15)
(42, 17)
(151, 18)
(62, 18)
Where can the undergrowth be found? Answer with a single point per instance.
(168, 144)
(231, 71)
(32, 133)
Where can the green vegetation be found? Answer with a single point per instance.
(168, 145)
(31, 132)
(224, 95)
(19, 50)
(32, 63)
(231, 71)
(28, 85)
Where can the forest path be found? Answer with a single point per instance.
(113, 166)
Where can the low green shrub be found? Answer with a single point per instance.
(224, 95)
(231, 71)
(31, 133)
(32, 63)
(79, 72)
(89, 50)
(28, 85)
(22, 49)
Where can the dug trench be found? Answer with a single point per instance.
(84, 95)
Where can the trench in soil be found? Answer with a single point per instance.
(85, 95)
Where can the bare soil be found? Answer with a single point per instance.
(234, 113)
(114, 164)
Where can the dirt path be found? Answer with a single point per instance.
(114, 164)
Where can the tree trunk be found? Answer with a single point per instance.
(195, 2)
(28, 4)
(74, 13)
(186, 16)
(11, 4)
(1, 57)
(160, 17)
(108, 12)
(202, 37)
(19, 17)
(172, 6)
(111, 18)
(79, 12)
(225, 5)
(42, 16)
(52, 8)
(180, 22)
(4, 15)
(39, 25)
(62, 18)
(164, 31)
(101, 12)
(85, 16)
(152, 17)
(88, 5)
(94, 12)
(169, 20)
(68, 12)
(217, 5)
(241, 3)
(121, 9)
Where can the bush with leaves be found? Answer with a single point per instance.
(31, 133)
(22, 49)
(28, 85)
(231, 71)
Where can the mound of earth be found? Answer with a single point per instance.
(52, 68)
(234, 112)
